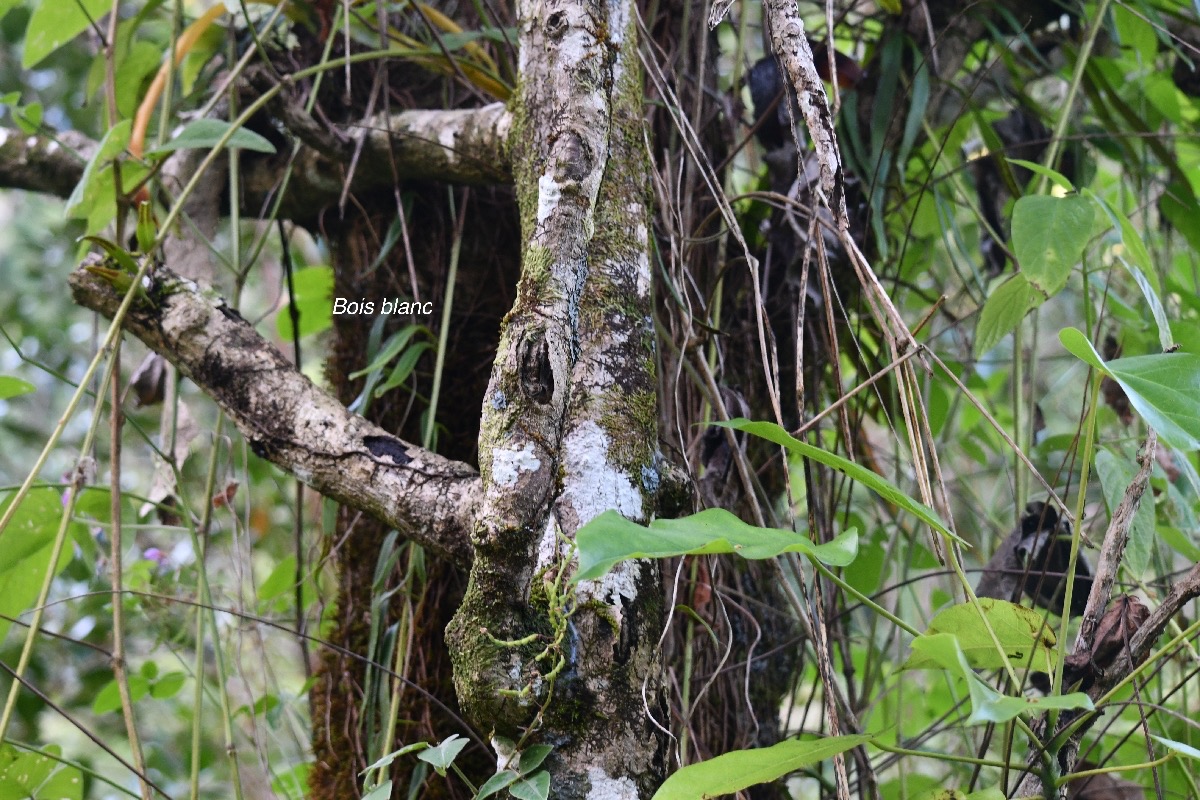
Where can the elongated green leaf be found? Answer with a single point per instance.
(1057, 177)
(395, 343)
(1006, 306)
(735, 771)
(55, 22)
(14, 387)
(1178, 747)
(857, 472)
(404, 367)
(392, 756)
(1165, 340)
(1048, 237)
(610, 538)
(1080, 346)
(207, 133)
(1027, 642)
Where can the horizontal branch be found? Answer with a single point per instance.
(289, 421)
(463, 146)
(41, 163)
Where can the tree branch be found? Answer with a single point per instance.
(42, 163)
(292, 423)
(463, 146)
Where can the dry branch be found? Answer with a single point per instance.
(292, 423)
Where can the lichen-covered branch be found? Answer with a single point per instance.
(460, 146)
(292, 423)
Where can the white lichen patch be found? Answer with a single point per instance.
(643, 261)
(549, 193)
(592, 483)
(606, 787)
(618, 23)
(508, 463)
(505, 750)
(550, 547)
(448, 139)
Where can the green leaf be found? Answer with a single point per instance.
(208, 133)
(535, 787)
(94, 197)
(392, 756)
(28, 118)
(1165, 340)
(292, 784)
(167, 686)
(55, 22)
(498, 782)
(1116, 473)
(25, 549)
(533, 757)
(5, 7)
(1006, 306)
(1056, 177)
(14, 387)
(610, 538)
(856, 472)
(1080, 346)
(443, 755)
(312, 298)
(34, 775)
(147, 227)
(987, 704)
(1048, 237)
(109, 698)
(116, 253)
(735, 771)
(1134, 245)
(381, 792)
(281, 579)
(1027, 642)
(404, 367)
(1178, 747)
(1164, 388)
(395, 343)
